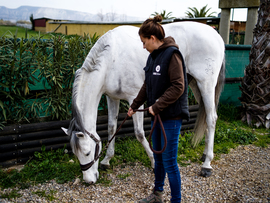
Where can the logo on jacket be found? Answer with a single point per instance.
(157, 70)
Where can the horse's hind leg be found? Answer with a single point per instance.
(113, 109)
(211, 118)
(140, 135)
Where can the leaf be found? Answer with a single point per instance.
(4, 85)
(26, 89)
(4, 111)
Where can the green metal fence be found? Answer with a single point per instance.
(237, 58)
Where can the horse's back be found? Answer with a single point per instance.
(201, 46)
(191, 35)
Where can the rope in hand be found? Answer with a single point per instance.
(157, 117)
(152, 130)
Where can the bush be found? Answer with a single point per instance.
(36, 64)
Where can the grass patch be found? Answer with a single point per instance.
(46, 165)
(20, 32)
(104, 178)
(25, 33)
(229, 133)
(11, 195)
(263, 140)
(128, 150)
(49, 196)
(124, 176)
(52, 165)
(186, 153)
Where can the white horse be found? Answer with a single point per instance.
(114, 66)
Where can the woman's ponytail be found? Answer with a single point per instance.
(152, 26)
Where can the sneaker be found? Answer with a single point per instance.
(155, 197)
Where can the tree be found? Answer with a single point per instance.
(101, 15)
(255, 86)
(195, 13)
(111, 16)
(165, 16)
(32, 21)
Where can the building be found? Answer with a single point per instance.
(70, 27)
(225, 27)
(83, 27)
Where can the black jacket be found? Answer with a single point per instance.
(157, 81)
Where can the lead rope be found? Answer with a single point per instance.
(89, 165)
(150, 135)
(152, 130)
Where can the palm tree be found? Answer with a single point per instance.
(195, 13)
(255, 86)
(164, 15)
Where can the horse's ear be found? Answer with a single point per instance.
(65, 130)
(80, 135)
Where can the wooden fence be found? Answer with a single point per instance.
(18, 143)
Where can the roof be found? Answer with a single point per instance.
(107, 23)
(42, 18)
(200, 18)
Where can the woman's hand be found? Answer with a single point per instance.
(151, 111)
(130, 112)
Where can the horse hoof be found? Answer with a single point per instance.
(104, 167)
(206, 172)
(203, 157)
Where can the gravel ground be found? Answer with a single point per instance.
(243, 175)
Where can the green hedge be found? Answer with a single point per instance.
(28, 66)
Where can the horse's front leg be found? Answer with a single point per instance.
(113, 109)
(140, 135)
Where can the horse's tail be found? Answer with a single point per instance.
(200, 125)
(220, 82)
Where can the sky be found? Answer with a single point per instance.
(135, 8)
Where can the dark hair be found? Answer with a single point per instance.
(152, 27)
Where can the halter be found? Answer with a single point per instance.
(85, 167)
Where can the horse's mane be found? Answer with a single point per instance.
(76, 122)
(91, 63)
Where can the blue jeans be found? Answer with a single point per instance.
(167, 161)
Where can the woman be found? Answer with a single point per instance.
(165, 89)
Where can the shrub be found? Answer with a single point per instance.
(28, 66)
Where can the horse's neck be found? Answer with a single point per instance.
(87, 100)
(89, 112)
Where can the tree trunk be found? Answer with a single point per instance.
(255, 86)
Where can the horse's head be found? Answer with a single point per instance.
(86, 148)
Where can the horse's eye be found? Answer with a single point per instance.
(88, 153)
